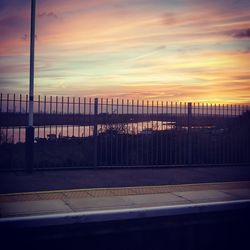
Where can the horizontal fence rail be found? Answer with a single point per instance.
(80, 132)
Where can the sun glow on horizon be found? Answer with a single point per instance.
(161, 50)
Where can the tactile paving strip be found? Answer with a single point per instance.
(106, 192)
(52, 196)
(122, 191)
(18, 197)
(77, 194)
(100, 192)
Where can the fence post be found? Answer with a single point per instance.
(189, 138)
(95, 131)
(29, 149)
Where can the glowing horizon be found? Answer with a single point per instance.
(175, 50)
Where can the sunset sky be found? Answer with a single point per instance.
(176, 50)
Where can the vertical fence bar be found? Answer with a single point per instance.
(224, 134)
(111, 132)
(244, 144)
(123, 135)
(14, 103)
(137, 133)
(127, 137)
(184, 114)
(95, 163)
(248, 138)
(50, 112)
(189, 149)
(158, 148)
(212, 146)
(1, 102)
(228, 136)
(1, 110)
(232, 136)
(73, 110)
(202, 133)
(152, 134)
(235, 136)
(20, 113)
(132, 146)
(176, 134)
(180, 142)
(78, 118)
(198, 149)
(100, 145)
(166, 137)
(68, 116)
(215, 157)
(84, 115)
(62, 111)
(219, 140)
(44, 116)
(56, 114)
(162, 132)
(194, 134)
(14, 111)
(147, 135)
(240, 157)
(106, 133)
(207, 135)
(142, 136)
(38, 116)
(1, 105)
(118, 128)
(26, 104)
(171, 135)
(7, 110)
(90, 115)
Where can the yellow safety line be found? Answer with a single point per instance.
(125, 188)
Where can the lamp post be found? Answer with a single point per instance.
(30, 127)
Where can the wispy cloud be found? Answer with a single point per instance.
(48, 14)
(169, 18)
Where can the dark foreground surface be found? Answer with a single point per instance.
(13, 182)
(217, 230)
(206, 229)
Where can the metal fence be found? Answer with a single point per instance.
(80, 132)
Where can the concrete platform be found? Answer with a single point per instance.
(114, 199)
(33, 207)
(191, 216)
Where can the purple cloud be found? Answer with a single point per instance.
(13, 25)
(48, 14)
(24, 37)
(242, 34)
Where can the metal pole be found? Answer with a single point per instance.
(32, 56)
(30, 128)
